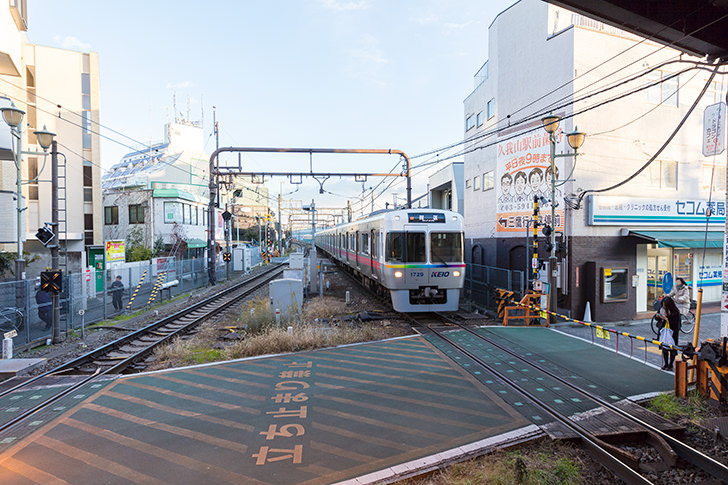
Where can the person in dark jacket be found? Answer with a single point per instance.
(117, 289)
(671, 315)
(45, 311)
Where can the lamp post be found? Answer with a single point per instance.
(14, 117)
(575, 139)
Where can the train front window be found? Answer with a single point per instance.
(446, 247)
(416, 247)
(394, 249)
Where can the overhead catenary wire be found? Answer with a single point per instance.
(661, 149)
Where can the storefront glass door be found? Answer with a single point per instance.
(657, 266)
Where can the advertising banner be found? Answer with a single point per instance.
(524, 170)
(115, 251)
(607, 210)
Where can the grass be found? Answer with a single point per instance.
(259, 334)
(694, 408)
(543, 463)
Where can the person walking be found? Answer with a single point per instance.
(45, 310)
(117, 289)
(680, 294)
(669, 315)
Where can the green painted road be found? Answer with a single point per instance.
(312, 417)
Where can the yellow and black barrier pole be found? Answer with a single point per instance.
(136, 290)
(156, 287)
(602, 328)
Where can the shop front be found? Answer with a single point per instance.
(672, 240)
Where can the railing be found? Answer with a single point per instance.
(20, 310)
(480, 281)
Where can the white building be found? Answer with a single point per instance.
(57, 89)
(446, 188)
(162, 191)
(616, 245)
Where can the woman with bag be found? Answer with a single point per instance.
(670, 318)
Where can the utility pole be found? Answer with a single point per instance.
(280, 226)
(56, 309)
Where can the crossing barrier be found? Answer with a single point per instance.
(599, 328)
(136, 290)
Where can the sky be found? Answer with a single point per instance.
(294, 73)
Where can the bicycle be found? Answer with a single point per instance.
(11, 319)
(687, 323)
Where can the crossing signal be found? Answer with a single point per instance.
(546, 230)
(44, 235)
(227, 257)
(51, 281)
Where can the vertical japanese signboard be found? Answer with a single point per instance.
(524, 170)
(714, 118)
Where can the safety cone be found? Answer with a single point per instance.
(587, 313)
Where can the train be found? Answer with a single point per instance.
(415, 257)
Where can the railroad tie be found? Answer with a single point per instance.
(136, 290)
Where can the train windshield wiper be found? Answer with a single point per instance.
(434, 253)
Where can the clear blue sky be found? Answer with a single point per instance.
(308, 73)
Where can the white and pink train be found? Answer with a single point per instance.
(414, 255)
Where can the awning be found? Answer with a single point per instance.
(682, 239)
(196, 243)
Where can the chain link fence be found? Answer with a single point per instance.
(88, 298)
(480, 281)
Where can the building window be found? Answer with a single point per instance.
(717, 177)
(488, 180)
(33, 176)
(87, 176)
(111, 215)
(479, 119)
(88, 194)
(467, 183)
(662, 174)
(666, 92)
(476, 183)
(614, 284)
(136, 214)
(469, 123)
(172, 212)
(491, 108)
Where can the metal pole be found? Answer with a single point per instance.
(19, 261)
(534, 261)
(552, 256)
(55, 241)
(280, 226)
(227, 244)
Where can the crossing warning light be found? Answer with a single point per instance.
(44, 235)
(227, 257)
(51, 281)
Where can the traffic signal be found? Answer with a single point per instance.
(44, 235)
(51, 281)
(227, 257)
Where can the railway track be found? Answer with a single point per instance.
(625, 465)
(130, 353)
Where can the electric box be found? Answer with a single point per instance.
(286, 295)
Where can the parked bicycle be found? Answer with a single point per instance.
(11, 319)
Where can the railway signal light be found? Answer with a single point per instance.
(51, 281)
(227, 257)
(546, 230)
(44, 235)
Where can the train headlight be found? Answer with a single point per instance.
(397, 274)
(456, 273)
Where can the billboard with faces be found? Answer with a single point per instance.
(523, 170)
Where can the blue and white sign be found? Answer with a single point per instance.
(624, 211)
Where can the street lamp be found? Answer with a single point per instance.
(575, 139)
(14, 117)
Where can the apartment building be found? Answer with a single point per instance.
(58, 90)
(614, 247)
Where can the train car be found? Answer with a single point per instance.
(413, 255)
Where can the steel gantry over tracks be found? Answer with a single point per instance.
(216, 172)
